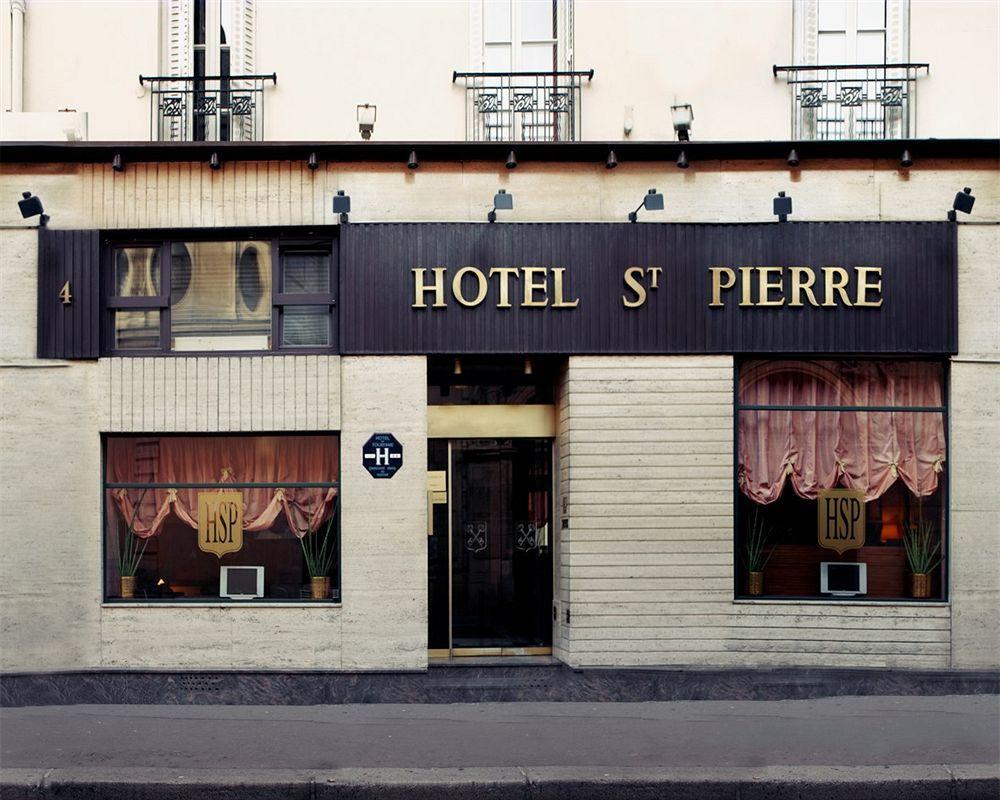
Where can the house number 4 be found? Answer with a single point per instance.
(64, 294)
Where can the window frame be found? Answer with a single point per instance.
(738, 498)
(281, 240)
(336, 578)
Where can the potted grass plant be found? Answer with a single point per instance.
(129, 550)
(319, 552)
(756, 554)
(923, 553)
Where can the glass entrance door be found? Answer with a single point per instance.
(500, 560)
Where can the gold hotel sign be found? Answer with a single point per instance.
(747, 287)
(220, 522)
(573, 288)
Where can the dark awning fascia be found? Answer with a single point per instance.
(527, 152)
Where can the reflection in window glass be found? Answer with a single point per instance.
(180, 272)
(222, 309)
(305, 326)
(306, 273)
(137, 330)
(137, 272)
(249, 278)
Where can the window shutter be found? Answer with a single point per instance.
(177, 55)
(69, 294)
(243, 56)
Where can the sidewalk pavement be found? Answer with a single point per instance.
(849, 747)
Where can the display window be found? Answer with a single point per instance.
(222, 518)
(841, 480)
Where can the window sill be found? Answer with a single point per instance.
(823, 601)
(221, 604)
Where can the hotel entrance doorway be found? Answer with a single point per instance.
(490, 546)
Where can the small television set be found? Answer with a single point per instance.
(843, 578)
(241, 583)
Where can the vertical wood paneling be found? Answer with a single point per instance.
(224, 393)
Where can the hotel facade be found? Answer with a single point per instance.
(387, 377)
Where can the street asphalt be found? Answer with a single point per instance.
(926, 739)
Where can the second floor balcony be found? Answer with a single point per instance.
(523, 106)
(853, 101)
(209, 108)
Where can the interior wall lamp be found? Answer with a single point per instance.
(342, 205)
(682, 116)
(366, 120)
(501, 202)
(964, 201)
(653, 201)
(782, 207)
(31, 206)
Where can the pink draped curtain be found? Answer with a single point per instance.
(847, 447)
(217, 461)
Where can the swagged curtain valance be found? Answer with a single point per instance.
(848, 447)
(217, 461)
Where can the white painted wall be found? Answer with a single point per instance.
(331, 55)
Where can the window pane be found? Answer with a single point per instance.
(137, 330)
(305, 273)
(497, 58)
(137, 272)
(174, 542)
(826, 432)
(871, 48)
(832, 49)
(537, 57)
(871, 14)
(496, 20)
(305, 326)
(832, 15)
(227, 303)
(537, 20)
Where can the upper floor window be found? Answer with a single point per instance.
(207, 89)
(522, 86)
(211, 295)
(850, 77)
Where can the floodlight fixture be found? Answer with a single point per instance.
(653, 201)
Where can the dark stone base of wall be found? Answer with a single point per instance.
(471, 684)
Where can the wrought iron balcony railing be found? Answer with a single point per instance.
(853, 101)
(522, 106)
(210, 108)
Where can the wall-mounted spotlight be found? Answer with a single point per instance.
(653, 201)
(502, 202)
(342, 205)
(214, 162)
(682, 116)
(31, 206)
(117, 164)
(511, 161)
(411, 161)
(313, 162)
(782, 207)
(964, 201)
(612, 161)
(682, 160)
(906, 160)
(366, 120)
(793, 158)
